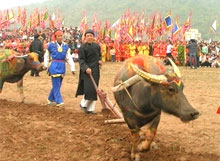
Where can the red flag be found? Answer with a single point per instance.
(19, 15)
(23, 18)
(94, 23)
(187, 23)
(59, 20)
(218, 111)
(84, 24)
(35, 18)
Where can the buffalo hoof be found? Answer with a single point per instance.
(154, 146)
(135, 157)
(22, 100)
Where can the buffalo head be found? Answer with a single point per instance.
(167, 91)
(160, 88)
(32, 61)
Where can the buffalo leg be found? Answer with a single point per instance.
(143, 137)
(20, 89)
(1, 85)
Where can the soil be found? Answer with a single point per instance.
(32, 130)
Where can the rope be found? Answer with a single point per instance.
(122, 84)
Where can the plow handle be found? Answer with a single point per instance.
(105, 101)
(97, 90)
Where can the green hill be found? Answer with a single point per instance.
(204, 12)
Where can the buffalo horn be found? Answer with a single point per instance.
(150, 77)
(22, 56)
(175, 68)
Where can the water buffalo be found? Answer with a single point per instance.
(13, 67)
(143, 88)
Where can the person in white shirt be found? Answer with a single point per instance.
(169, 49)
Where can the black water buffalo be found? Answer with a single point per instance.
(13, 67)
(143, 88)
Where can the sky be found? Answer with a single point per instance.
(5, 4)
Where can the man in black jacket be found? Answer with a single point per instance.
(37, 47)
(90, 62)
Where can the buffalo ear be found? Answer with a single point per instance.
(19, 65)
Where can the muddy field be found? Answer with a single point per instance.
(33, 131)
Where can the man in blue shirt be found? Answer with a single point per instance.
(59, 53)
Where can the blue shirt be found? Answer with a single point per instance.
(58, 55)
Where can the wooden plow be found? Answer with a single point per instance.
(107, 105)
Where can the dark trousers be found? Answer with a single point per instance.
(192, 56)
(171, 57)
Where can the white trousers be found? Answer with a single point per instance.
(89, 104)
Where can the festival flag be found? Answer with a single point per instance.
(10, 18)
(43, 18)
(23, 19)
(214, 26)
(116, 35)
(99, 29)
(151, 27)
(84, 25)
(187, 23)
(59, 20)
(107, 30)
(142, 21)
(51, 23)
(160, 27)
(1, 17)
(53, 17)
(116, 23)
(52, 20)
(46, 15)
(19, 15)
(168, 21)
(63, 22)
(142, 26)
(10, 14)
(29, 23)
(130, 31)
(4, 19)
(130, 34)
(127, 17)
(175, 28)
(94, 24)
(35, 21)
